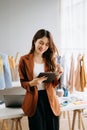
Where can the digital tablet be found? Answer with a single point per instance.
(50, 76)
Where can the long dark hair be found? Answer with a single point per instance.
(49, 54)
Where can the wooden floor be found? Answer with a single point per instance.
(63, 123)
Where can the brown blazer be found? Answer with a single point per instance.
(26, 65)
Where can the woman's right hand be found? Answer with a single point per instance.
(36, 81)
(59, 71)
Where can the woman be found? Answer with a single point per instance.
(44, 112)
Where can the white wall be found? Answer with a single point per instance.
(20, 19)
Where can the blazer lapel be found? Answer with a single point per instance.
(31, 65)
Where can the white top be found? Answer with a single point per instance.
(38, 68)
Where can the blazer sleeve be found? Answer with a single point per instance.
(22, 74)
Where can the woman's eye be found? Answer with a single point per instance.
(47, 44)
(41, 43)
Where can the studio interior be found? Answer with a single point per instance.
(67, 22)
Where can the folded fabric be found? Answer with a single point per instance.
(2, 81)
(7, 72)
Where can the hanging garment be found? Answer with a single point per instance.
(2, 81)
(80, 77)
(13, 68)
(7, 72)
(77, 74)
(82, 74)
(71, 75)
(61, 61)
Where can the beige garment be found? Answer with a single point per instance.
(71, 75)
(77, 74)
(11, 62)
(13, 68)
(82, 74)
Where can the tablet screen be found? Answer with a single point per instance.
(51, 76)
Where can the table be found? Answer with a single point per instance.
(8, 113)
(77, 108)
(15, 114)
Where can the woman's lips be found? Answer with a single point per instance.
(41, 50)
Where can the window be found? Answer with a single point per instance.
(73, 26)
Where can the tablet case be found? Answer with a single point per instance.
(51, 76)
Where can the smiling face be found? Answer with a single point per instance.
(41, 45)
